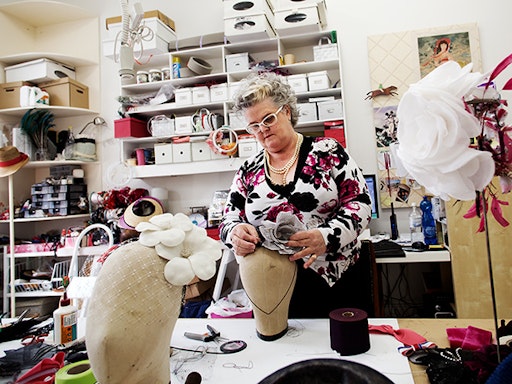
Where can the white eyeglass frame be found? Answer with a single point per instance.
(251, 128)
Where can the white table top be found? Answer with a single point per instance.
(417, 257)
(306, 339)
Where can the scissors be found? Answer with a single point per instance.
(33, 339)
(211, 335)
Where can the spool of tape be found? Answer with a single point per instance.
(75, 373)
(199, 66)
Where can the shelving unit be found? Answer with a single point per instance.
(269, 50)
(66, 34)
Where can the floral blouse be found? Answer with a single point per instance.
(328, 193)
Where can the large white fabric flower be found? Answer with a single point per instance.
(434, 132)
(188, 248)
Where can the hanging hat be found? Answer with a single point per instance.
(11, 160)
(139, 211)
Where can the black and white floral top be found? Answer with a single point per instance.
(328, 193)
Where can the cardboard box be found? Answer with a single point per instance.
(148, 14)
(67, 92)
(330, 110)
(10, 94)
(130, 127)
(295, 21)
(38, 71)
(198, 287)
(237, 62)
(163, 153)
(237, 8)
(338, 134)
(245, 28)
(307, 112)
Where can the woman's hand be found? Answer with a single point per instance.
(244, 238)
(312, 244)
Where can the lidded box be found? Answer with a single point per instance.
(38, 71)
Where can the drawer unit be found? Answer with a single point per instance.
(181, 153)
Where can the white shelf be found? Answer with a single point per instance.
(29, 56)
(48, 218)
(183, 169)
(56, 110)
(36, 294)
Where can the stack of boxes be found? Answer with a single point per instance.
(261, 19)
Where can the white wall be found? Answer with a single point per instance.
(354, 20)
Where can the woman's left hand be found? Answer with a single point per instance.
(312, 244)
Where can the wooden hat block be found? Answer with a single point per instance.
(268, 279)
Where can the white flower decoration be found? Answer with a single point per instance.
(188, 248)
(434, 132)
(276, 234)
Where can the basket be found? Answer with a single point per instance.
(323, 52)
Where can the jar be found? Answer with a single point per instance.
(155, 75)
(142, 77)
(166, 73)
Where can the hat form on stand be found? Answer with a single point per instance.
(11, 160)
(140, 211)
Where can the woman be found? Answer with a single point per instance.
(302, 196)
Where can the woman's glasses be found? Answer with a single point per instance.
(267, 121)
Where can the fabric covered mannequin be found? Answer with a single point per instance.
(268, 279)
(131, 319)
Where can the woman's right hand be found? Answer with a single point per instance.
(244, 239)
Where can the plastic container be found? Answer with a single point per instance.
(155, 75)
(65, 322)
(428, 222)
(142, 77)
(166, 73)
(415, 217)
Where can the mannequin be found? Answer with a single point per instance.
(269, 278)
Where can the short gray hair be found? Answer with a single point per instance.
(258, 87)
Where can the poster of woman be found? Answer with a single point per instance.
(436, 50)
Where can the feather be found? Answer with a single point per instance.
(499, 68)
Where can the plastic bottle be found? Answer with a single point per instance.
(65, 322)
(428, 222)
(176, 67)
(415, 219)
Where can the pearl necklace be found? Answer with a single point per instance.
(284, 170)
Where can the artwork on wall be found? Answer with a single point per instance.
(397, 60)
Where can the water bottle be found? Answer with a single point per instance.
(428, 222)
(415, 218)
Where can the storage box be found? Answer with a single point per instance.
(38, 71)
(67, 92)
(183, 125)
(130, 127)
(198, 287)
(200, 95)
(245, 28)
(325, 50)
(318, 81)
(200, 151)
(111, 21)
(233, 89)
(237, 8)
(247, 147)
(219, 92)
(307, 112)
(299, 83)
(183, 96)
(236, 121)
(336, 133)
(237, 62)
(163, 153)
(10, 94)
(330, 110)
(181, 153)
(292, 4)
(295, 20)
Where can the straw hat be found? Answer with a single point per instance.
(139, 211)
(11, 160)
